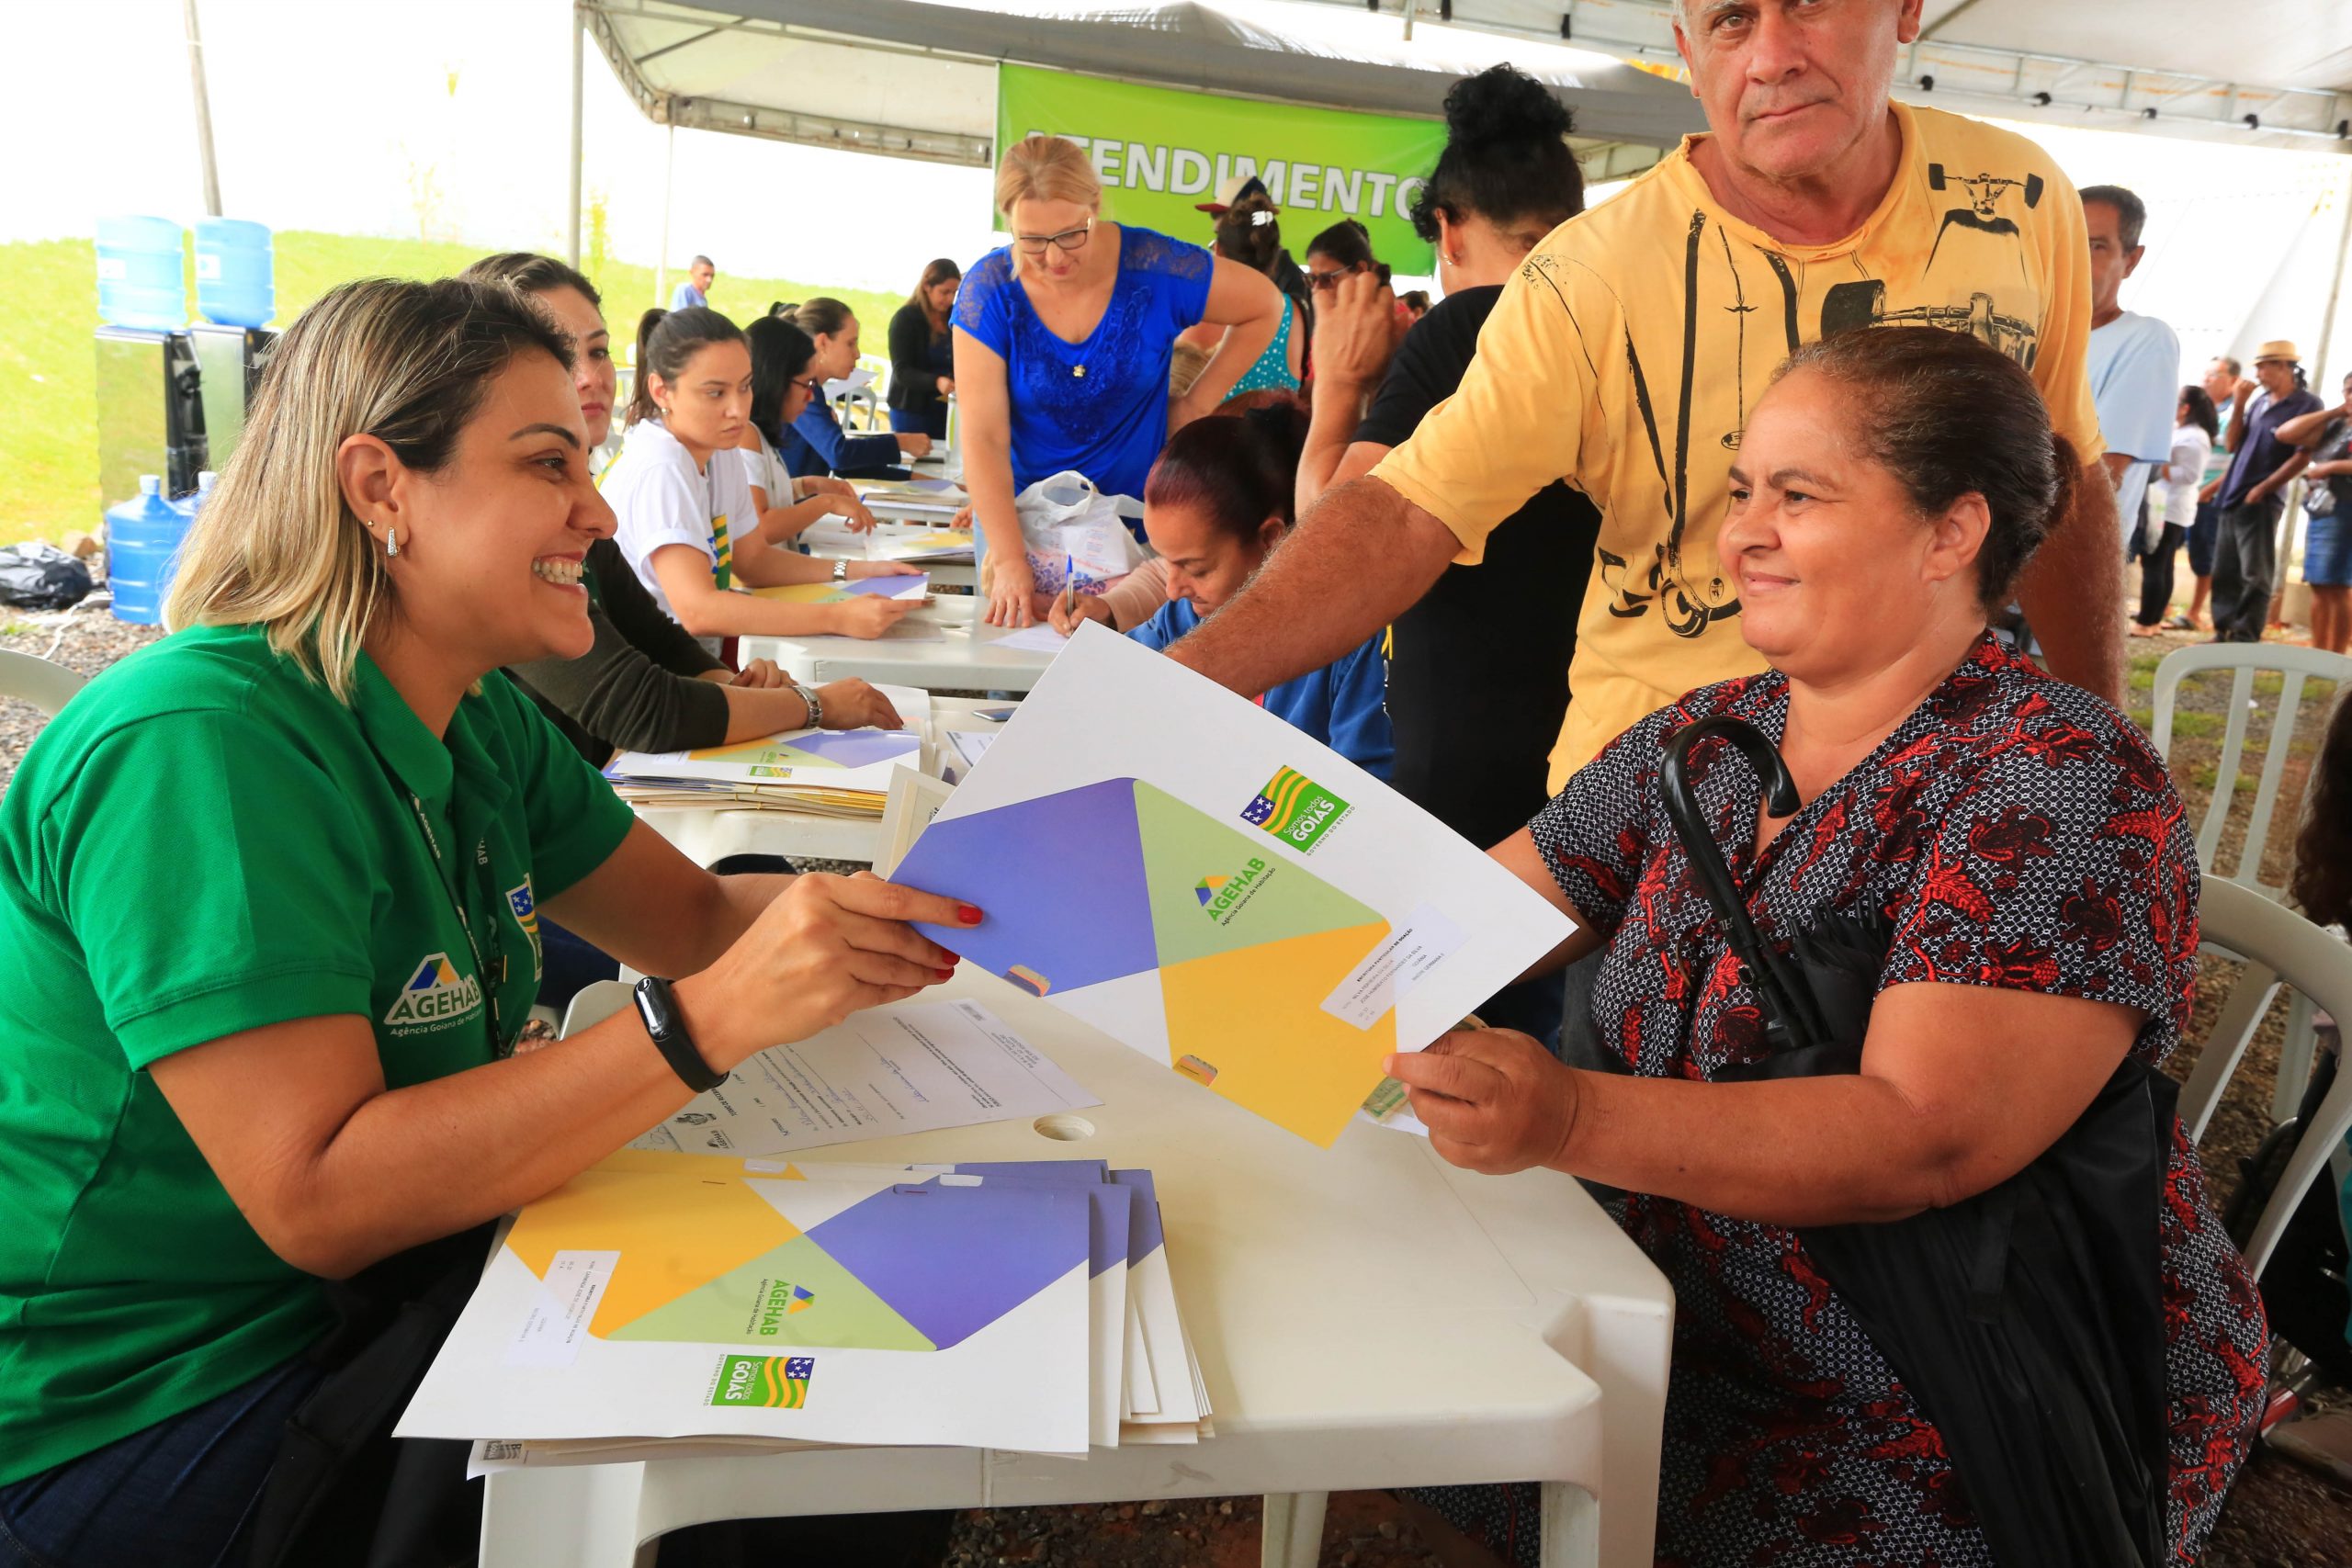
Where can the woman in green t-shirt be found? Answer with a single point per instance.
(272, 891)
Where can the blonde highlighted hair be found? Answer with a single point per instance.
(277, 545)
(1045, 168)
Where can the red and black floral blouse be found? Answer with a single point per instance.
(2017, 832)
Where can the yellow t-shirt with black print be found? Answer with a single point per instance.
(1625, 354)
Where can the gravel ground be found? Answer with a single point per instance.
(84, 639)
(2280, 1516)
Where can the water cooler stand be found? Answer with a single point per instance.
(230, 360)
(150, 412)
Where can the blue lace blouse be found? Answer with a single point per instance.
(1099, 406)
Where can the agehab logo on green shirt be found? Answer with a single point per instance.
(435, 994)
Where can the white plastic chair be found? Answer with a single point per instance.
(872, 416)
(2295, 665)
(2243, 660)
(594, 1002)
(2281, 944)
(46, 686)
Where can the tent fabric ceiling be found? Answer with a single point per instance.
(2102, 62)
(2276, 44)
(917, 78)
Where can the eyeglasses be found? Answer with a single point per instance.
(814, 388)
(1320, 280)
(1068, 240)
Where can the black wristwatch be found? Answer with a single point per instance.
(658, 1005)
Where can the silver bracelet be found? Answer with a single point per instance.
(816, 706)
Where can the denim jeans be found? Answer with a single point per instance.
(171, 1496)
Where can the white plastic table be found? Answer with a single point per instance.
(1365, 1316)
(707, 836)
(832, 538)
(963, 660)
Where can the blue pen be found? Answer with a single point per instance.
(1069, 586)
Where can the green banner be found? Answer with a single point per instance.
(1160, 151)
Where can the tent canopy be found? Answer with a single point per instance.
(917, 78)
(2101, 63)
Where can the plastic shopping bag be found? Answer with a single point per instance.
(42, 577)
(1072, 530)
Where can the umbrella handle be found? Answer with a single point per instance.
(1783, 995)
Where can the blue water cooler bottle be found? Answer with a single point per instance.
(143, 538)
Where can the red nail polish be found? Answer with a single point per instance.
(971, 915)
(953, 957)
(945, 973)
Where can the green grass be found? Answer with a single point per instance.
(2184, 725)
(2197, 724)
(2203, 775)
(2142, 679)
(49, 304)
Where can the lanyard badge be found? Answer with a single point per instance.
(489, 967)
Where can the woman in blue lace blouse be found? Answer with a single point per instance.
(1062, 345)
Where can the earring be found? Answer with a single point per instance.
(391, 542)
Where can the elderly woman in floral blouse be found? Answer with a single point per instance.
(2027, 850)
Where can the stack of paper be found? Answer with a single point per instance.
(915, 1067)
(931, 497)
(917, 588)
(1039, 639)
(829, 773)
(934, 544)
(660, 1306)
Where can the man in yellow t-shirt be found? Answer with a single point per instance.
(1626, 352)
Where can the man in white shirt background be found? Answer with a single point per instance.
(2134, 360)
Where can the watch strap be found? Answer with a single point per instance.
(841, 572)
(816, 706)
(657, 1004)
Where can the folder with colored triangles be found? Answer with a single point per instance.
(873, 1273)
(1193, 877)
(688, 1295)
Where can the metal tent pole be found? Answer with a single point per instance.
(2291, 514)
(661, 263)
(571, 212)
(2335, 283)
(203, 112)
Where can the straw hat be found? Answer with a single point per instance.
(2278, 348)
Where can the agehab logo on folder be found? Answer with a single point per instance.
(770, 1383)
(1222, 894)
(1295, 809)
